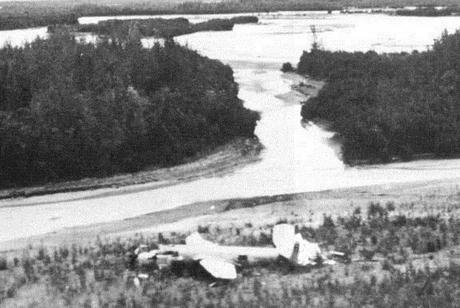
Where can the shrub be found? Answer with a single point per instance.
(287, 67)
(3, 264)
(376, 211)
(367, 254)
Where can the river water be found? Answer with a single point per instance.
(296, 158)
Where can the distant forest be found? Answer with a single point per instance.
(389, 105)
(26, 20)
(162, 27)
(429, 12)
(70, 109)
(15, 15)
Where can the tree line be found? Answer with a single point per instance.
(390, 105)
(15, 15)
(161, 27)
(429, 11)
(26, 20)
(70, 109)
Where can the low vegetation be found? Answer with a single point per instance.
(385, 251)
(387, 106)
(287, 68)
(70, 109)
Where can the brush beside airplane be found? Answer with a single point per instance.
(219, 260)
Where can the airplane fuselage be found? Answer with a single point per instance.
(230, 253)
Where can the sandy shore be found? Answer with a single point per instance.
(221, 161)
(413, 199)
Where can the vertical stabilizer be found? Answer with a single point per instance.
(293, 247)
(284, 239)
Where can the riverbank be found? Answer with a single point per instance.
(412, 199)
(296, 159)
(308, 87)
(386, 106)
(217, 162)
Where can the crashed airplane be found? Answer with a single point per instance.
(220, 261)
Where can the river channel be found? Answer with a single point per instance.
(296, 158)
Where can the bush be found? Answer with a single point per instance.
(367, 254)
(287, 67)
(3, 264)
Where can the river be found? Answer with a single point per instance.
(296, 158)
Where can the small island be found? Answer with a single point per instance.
(159, 27)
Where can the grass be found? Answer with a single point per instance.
(389, 265)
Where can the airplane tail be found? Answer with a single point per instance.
(293, 247)
(284, 239)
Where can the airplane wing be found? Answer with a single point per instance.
(219, 268)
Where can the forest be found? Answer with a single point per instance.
(429, 12)
(161, 27)
(70, 109)
(15, 15)
(389, 106)
(11, 22)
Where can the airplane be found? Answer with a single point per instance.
(220, 261)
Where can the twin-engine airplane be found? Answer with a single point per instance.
(219, 261)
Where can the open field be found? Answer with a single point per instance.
(402, 243)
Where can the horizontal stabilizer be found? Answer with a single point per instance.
(219, 268)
